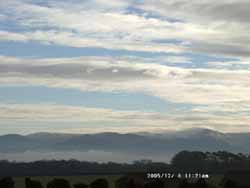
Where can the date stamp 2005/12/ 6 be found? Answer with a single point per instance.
(177, 175)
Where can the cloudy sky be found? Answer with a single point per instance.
(124, 65)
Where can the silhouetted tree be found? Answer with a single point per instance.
(229, 184)
(155, 184)
(125, 182)
(58, 183)
(80, 185)
(129, 182)
(99, 183)
(133, 184)
(201, 183)
(32, 183)
(184, 184)
(7, 182)
(187, 160)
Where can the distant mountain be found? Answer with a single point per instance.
(157, 143)
(51, 137)
(192, 132)
(16, 143)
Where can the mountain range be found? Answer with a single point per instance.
(139, 143)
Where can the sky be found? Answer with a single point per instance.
(124, 65)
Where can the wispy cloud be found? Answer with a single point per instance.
(96, 119)
(112, 27)
(194, 86)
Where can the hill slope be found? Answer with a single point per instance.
(192, 139)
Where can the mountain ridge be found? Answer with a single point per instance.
(189, 139)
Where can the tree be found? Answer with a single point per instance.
(129, 182)
(80, 185)
(99, 183)
(229, 184)
(187, 160)
(7, 182)
(155, 184)
(200, 183)
(125, 182)
(184, 184)
(58, 183)
(32, 183)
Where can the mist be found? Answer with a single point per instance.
(92, 155)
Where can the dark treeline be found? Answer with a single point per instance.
(74, 167)
(8, 182)
(123, 182)
(210, 162)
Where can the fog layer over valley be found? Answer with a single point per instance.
(98, 156)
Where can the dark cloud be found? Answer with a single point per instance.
(218, 48)
(75, 71)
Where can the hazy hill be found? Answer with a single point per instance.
(191, 139)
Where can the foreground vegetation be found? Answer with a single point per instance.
(226, 170)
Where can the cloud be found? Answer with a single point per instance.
(233, 50)
(218, 99)
(200, 11)
(243, 64)
(202, 26)
(125, 74)
(225, 21)
(65, 38)
(10, 36)
(66, 26)
(89, 120)
(85, 68)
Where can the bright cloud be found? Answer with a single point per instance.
(176, 84)
(86, 25)
(83, 119)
